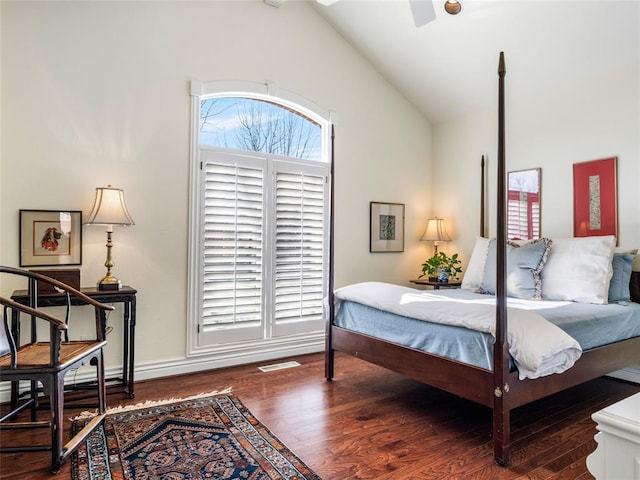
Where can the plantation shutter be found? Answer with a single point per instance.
(523, 215)
(233, 244)
(299, 241)
(535, 217)
(517, 215)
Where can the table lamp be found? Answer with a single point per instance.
(109, 209)
(435, 232)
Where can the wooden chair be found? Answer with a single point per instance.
(47, 362)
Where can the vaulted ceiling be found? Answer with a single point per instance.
(448, 67)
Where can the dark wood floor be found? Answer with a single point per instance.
(374, 424)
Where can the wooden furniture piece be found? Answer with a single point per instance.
(498, 388)
(436, 285)
(127, 296)
(48, 362)
(618, 453)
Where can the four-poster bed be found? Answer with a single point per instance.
(497, 385)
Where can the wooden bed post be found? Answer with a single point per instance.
(482, 222)
(329, 352)
(501, 416)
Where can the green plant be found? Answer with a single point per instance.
(441, 261)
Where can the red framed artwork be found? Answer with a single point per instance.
(595, 198)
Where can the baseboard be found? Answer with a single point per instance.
(212, 362)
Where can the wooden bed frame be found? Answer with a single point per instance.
(499, 388)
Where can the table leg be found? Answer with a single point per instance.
(129, 326)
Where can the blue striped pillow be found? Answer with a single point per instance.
(619, 285)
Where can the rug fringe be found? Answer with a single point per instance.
(151, 403)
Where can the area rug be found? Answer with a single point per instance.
(209, 436)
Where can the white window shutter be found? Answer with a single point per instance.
(299, 241)
(517, 219)
(523, 208)
(233, 244)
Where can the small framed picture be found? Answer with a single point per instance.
(50, 237)
(387, 227)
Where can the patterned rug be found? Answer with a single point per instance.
(212, 436)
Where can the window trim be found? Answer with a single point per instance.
(260, 91)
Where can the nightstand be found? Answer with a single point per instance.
(618, 441)
(436, 285)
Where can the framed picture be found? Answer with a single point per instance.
(595, 198)
(50, 237)
(387, 227)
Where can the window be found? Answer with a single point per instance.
(259, 246)
(258, 125)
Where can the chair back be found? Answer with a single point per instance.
(12, 314)
(44, 364)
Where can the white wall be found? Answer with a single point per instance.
(96, 93)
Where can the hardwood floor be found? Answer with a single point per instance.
(370, 423)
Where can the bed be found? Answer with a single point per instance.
(491, 375)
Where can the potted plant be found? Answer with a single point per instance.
(441, 266)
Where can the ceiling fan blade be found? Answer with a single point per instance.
(423, 11)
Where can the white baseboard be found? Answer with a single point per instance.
(211, 362)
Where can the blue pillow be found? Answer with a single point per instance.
(524, 264)
(619, 285)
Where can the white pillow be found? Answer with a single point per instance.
(475, 269)
(579, 269)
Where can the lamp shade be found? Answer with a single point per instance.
(109, 208)
(436, 231)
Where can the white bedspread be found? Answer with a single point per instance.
(538, 347)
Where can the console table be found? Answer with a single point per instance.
(125, 295)
(617, 456)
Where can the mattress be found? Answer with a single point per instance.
(591, 325)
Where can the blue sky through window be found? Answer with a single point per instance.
(260, 126)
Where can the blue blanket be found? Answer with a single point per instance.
(591, 325)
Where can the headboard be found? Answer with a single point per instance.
(634, 287)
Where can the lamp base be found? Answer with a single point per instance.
(109, 283)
